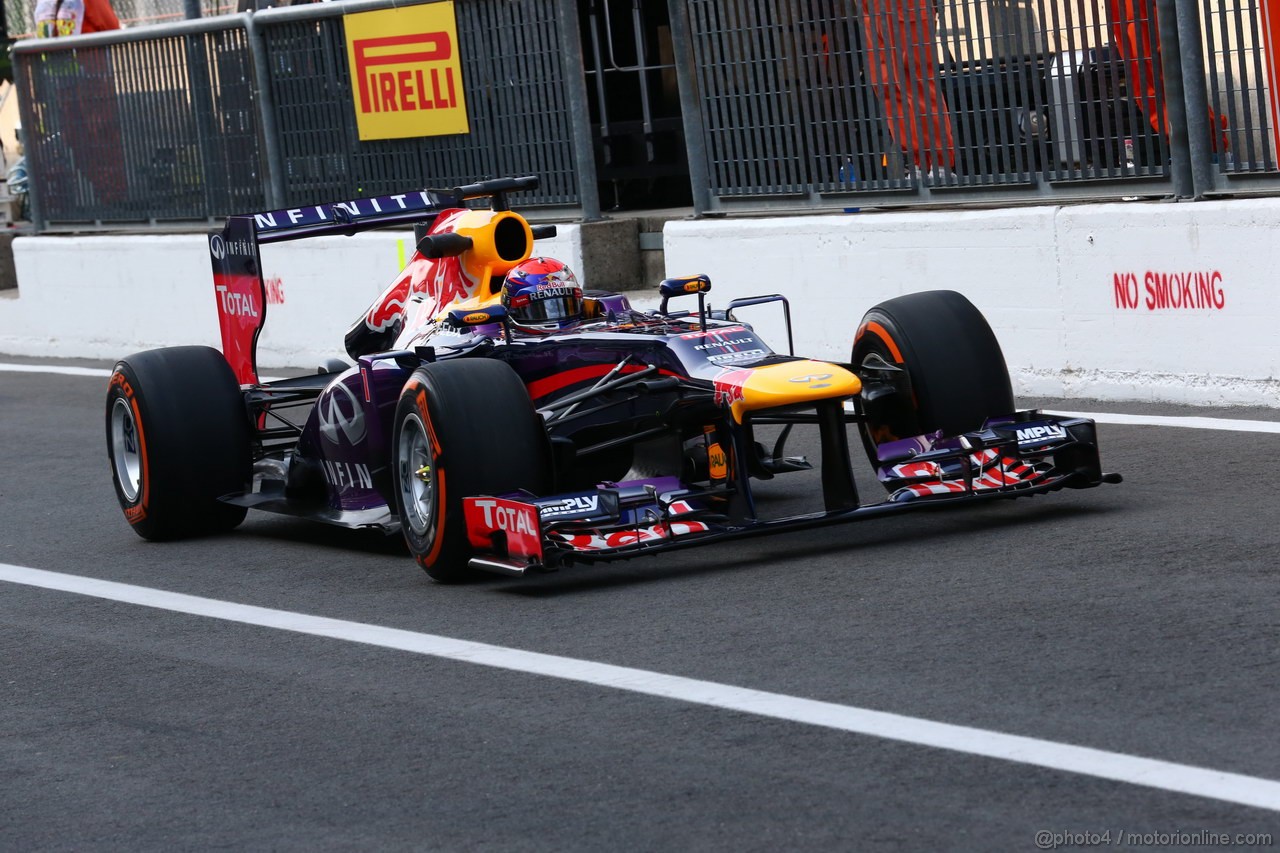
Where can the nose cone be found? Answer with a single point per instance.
(786, 384)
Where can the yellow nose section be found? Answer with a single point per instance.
(788, 384)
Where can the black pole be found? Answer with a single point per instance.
(1175, 107)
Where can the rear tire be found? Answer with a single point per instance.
(462, 429)
(956, 376)
(178, 438)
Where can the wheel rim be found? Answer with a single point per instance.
(125, 452)
(417, 476)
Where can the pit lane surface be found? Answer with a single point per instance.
(1138, 619)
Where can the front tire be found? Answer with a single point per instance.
(178, 438)
(953, 373)
(462, 429)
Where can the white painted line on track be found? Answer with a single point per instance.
(76, 371)
(1188, 422)
(1185, 421)
(1115, 766)
(55, 368)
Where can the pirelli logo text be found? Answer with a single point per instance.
(406, 73)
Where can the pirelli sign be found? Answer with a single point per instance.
(406, 75)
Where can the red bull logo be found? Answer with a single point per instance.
(728, 386)
(390, 307)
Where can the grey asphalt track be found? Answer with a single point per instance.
(1139, 618)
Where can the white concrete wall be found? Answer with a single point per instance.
(108, 296)
(1046, 279)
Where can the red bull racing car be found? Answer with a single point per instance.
(500, 438)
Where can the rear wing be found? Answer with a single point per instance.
(238, 283)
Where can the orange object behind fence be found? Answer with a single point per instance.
(1135, 29)
(903, 66)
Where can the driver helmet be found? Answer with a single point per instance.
(542, 295)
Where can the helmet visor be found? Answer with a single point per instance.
(550, 309)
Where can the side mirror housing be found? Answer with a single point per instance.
(468, 317)
(680, 285)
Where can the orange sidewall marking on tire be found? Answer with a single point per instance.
(882, 433)
(138, 512)
(420, 399)
(440, 504)
(879, 331)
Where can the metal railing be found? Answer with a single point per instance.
(203, 118)
(804, 104)
(517, 94)
(785, 104)
(122, 128)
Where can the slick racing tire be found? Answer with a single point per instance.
(462, 429)
(953, 374)
(178, 437)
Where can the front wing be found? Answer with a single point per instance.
(1022, 455)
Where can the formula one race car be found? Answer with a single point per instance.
(596, 432)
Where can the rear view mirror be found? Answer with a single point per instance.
(467, 317)
(680, 285)
(683, 285)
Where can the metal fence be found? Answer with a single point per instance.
(784, 104)
(150, 129)
(912, 101)
(200, 119)
(517, 103)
